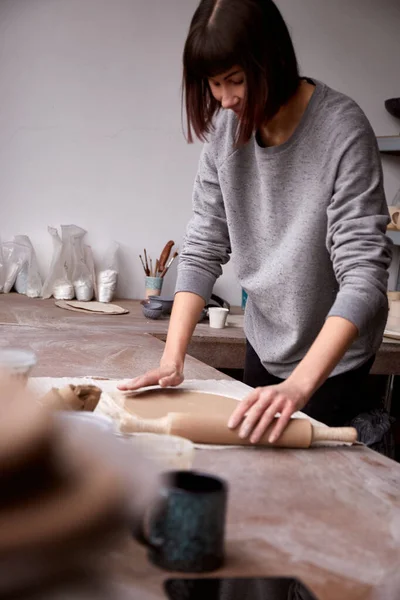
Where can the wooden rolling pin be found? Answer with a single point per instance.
(300, 433)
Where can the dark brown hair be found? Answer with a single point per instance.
(249, 33)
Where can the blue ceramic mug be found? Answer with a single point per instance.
(185, 530)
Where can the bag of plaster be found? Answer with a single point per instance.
(14, 256)
(58, 282)
(107, 278)
(28, 280)
(81, 274)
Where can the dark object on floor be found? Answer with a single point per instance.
(375, 431)
(393, 107)
(271, 588)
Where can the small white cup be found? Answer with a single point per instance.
(217, 317)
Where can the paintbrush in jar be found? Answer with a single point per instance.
(171, 260)
(146, 271)
(147, 262)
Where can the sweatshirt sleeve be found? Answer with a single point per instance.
(206, 246)
(357, 220)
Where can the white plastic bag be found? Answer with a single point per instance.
(58, 283)
(14, 256)
(68, 232)
(28, 280)
(81, 275)
(108, 276)
(89, 260)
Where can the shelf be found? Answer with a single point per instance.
(394, 236)
(390, 144)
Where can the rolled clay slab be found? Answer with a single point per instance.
(92, 307)
(156, 403)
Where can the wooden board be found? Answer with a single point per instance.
(99, 308)
(316, 515)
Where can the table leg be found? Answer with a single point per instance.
(389, 393)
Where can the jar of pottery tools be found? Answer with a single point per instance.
(155, 273)
(153, 286)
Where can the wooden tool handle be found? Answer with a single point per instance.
(213, 430)
(164, 256)
(131, 424)
(334, 434)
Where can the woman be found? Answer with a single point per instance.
(290, 182)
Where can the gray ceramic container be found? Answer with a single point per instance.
(152, 310)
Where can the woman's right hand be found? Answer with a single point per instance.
(168, 374)
(185, 315)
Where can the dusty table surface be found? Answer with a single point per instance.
(328, 516)
(94, 352)
(218, 348)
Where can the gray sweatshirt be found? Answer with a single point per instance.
(305, 223)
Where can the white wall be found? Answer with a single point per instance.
(353, 46)
(90, 124)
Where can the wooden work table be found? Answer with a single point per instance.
(220, 349)
(328, 516)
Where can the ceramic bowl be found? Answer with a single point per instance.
(165, 301)
(393, 107)
(152, 309)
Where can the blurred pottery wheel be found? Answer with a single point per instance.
(92, 307)
(82, 505)
(60, 504)
(25, 433)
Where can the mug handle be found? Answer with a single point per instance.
(152, 518)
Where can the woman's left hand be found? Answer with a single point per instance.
(256, 413)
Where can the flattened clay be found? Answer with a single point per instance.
(153, 404)
(93, 307)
